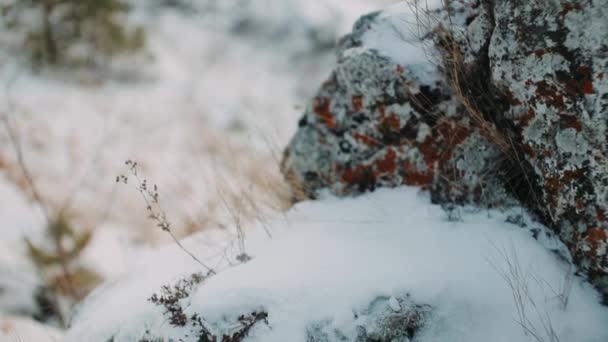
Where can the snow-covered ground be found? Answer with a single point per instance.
(217, 97)
(329, 259)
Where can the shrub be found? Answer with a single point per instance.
(81, 33)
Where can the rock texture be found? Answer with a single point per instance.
(377, 123)
(515, 113)
(552, 57)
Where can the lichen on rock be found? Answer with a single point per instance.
(516, 113)
(552, 56)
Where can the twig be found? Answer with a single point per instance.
(156, 213)
(12, 130)
(518, 281)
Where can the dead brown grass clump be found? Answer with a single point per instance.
(484, 103)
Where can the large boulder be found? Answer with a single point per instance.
(510, 108)
(552, 58)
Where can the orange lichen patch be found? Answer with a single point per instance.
(440, 145)
(391, 122)
(552, 185)
(572, 176)
(540, 52)
(388, 164)
(321, 107)
(523, 120)
(596, 237)
(580, 82)
(367, 140)
(357, 101)
(430, 151)
(600, 214)
(529, 150)
(580, 204)
(389, 129)
(382, 111)
(453, 134)
(362, 175)
(570, 121)
(414, 177)
(550, 95)
(588, 87)
(568, 7)
(548, 153)
(510, 97)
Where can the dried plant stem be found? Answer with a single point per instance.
(155, 211)
(12, 131)
(13, 136)
(518, 281)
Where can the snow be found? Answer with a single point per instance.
(332, 257)
(394, 304)
(18, 277)
(15, 329)
(400, 40)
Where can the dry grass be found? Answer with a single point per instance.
(532, 316)
(483, 102)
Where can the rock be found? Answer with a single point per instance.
(380, 322)
(552, 58)
(378, 123)
(516, 113)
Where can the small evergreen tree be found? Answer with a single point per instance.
(71, 32)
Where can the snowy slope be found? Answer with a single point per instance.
(330, 258)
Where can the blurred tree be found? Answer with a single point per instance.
(71, 32)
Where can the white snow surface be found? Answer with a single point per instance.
(18, 329)
(329, 258)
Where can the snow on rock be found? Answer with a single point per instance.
(336, 269)
(508, 107)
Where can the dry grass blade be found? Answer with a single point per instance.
(539, 326)
(156, 213)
